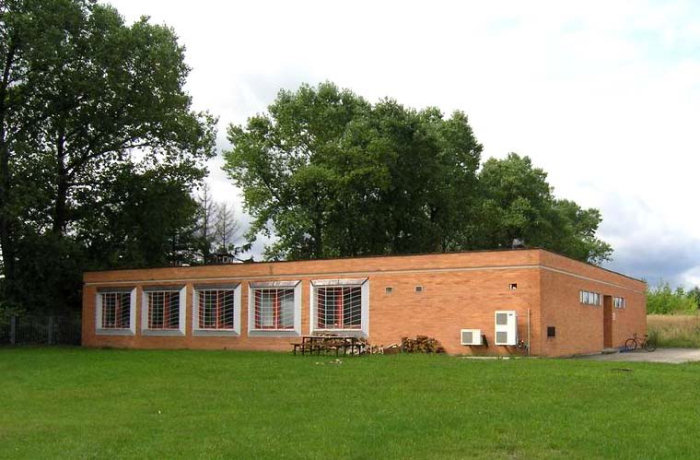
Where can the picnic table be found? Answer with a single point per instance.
(327, 343)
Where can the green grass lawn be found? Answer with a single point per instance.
(77, 403)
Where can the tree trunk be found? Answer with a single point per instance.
(6, 240)
(60, 217)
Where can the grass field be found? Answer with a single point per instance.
(675, 330)
(76, 403)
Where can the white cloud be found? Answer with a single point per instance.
(605, 96)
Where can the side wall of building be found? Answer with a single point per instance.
(436, 296)
(579, 327)
(455, 291)
(451, 301)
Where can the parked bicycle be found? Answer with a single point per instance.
(635, 342)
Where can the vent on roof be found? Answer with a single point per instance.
(471, 337)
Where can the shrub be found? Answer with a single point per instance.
(663, 300)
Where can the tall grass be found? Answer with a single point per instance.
(675, 330)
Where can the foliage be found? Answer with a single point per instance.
(146, 219)
(694, 294)
(226, 228)
(76, 403)
(217, 231)
(90, 108)
(517, 203)
(663, 300)
(332, 175)
(206, 222)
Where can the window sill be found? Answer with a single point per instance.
(101, 331)
(346, 332)
(163, 332)
(215, 333)
(273, 333)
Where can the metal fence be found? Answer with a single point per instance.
(40, 330)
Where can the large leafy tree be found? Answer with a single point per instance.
(333, 175)
(88, 106)
(517, 202)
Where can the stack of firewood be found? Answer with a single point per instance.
(421, 344)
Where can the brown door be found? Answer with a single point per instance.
(607, 322)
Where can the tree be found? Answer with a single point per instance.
(516, 202)
(206, 225)
(332, 175)
(146, 219)
(663, 300)
(694, 295)
(83, 98)
(226, 229)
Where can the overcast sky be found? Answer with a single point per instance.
(604, 96)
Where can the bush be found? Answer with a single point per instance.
(661, 300)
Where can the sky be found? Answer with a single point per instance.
(604, 96)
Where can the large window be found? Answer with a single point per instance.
(340, 305)
(216, 310)
(114, 310)
(163, 311)
(275, 308)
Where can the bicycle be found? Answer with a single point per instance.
(635, 342)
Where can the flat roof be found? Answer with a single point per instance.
(387, 256)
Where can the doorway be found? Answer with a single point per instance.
(607, 322)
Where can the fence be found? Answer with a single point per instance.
(40, 330)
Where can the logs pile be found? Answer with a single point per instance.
(421, 344)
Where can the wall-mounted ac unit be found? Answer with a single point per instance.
(506, 327)
(471, 337)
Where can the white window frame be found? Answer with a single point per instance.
(363, 283)
(585, 296)
(131, 330)
(182, 313)
(255, 332)
(201, 331)
(619, 303)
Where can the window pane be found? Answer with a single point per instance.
(124, 314)
(286, 309)
(339, 307)
(108, 309)
(352, 308)
(267, 309)
(164, 310)
(216, 308)
(274, 308)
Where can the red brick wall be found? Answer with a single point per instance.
(459, 291)
(579, 327)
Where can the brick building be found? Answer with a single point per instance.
(485, 302)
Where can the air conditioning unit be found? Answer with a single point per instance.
(506, 327)
(471, 337)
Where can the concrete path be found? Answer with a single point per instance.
(661, 355)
